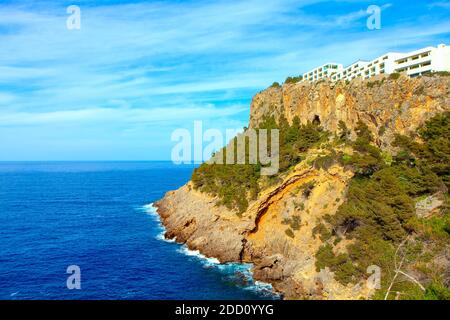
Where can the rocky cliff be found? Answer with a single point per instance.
(386, 105)
(287, 259)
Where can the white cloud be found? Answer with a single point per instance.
(440, 4)
(169, 62)
(114, 116)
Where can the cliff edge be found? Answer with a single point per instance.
(287, 227)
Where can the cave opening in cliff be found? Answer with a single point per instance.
(316, 120)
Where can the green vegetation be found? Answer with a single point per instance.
(377, 83)
(381, 130)
(367, 158)
(289, 233)
(434, 153)
(343, 132)
(394, 76)
(293, 79)
(438, 73)
(376, 223)
(379, 217)
(294, 222)
(322, 231)
(326, 161)
(340, 263)
(235, 185)
(307, 188)
(275, 85)
(420, 90)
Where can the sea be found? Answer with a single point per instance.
(88, 230)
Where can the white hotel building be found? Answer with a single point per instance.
(414, 63)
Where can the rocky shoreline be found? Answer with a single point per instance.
(259, 236)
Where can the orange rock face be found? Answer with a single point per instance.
(386, 106)
(286, 258)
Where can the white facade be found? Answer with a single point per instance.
(423, 61)
(352, 71)
(322, 72)
(414, 63)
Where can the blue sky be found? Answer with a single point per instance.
(136, 71)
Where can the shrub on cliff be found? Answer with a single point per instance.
(322, 231)
(293, 79)
(289, 233)
(367, 159)
(235, 185)
(394, 76)
(343, 132)
(378, 214)
(275, 85)
(440, 73)
(434, 153)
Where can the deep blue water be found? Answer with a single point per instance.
(96, 215)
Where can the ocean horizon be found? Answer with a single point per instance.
(98, 215)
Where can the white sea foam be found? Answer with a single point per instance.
(233, 270)
(161, 236)
(150, 209)
(195, 253)
(263, 288)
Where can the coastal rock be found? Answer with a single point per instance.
(283, 253)
(193, 218)
(386, 106)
